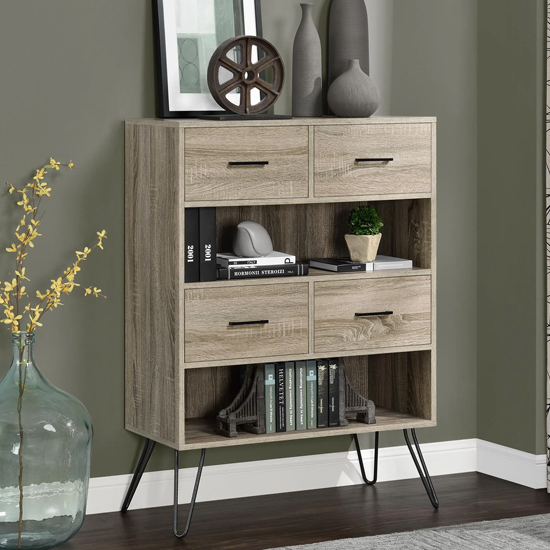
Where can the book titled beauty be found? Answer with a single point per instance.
(311, 394)
(333, 393)
(290, 398)
(301, 396)
(252, 272)
(340, 265)
(207, 239)
(281, 395)
(275, 258)
(322, 393)
(270, 398)
(192, 246)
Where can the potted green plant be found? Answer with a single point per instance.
(364, 234)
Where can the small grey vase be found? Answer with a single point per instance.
(307, 68)
(348, 36)
(353, 94)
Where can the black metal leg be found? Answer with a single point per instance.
(193, 497)
(421, 467)
(360, 457)
(140, 468)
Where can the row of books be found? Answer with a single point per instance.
(302, 395)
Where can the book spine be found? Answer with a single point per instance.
(207, 238)
(322, 393)
(301, 396)
(281, 413)
(311, 381)
(227, 273)
(333, 393)
(265, 261)
(290, 398)
(192, 256)
(270, 401)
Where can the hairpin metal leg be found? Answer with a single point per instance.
(360, 457)
(140, 468)
(193, 497)
(421, 467)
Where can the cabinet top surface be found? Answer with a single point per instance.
(323, 121)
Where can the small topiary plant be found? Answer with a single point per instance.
(364, 220)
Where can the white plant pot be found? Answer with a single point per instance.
(363, 248)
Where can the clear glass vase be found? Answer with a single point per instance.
(45, 446)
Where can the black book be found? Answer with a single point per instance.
(281, 402)
(322, 393)
(207, 237)
(192, 260)
(333, 393)
(226, 273)
(340, 265)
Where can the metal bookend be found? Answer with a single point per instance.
(247, 409)
(355, 403)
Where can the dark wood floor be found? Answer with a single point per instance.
(313, 516)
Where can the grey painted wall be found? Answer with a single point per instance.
(73, 71)
(511, 291)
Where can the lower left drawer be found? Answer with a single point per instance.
(248, 321)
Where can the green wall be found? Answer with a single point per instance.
(511, 290)
(73, 71)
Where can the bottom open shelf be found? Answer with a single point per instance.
(200, 432)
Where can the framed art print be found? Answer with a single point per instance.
(187, 34)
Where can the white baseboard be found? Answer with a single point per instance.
(512, 465)
(266, 477)
(305, 473)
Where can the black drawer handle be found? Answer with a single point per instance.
(375, 314)
(250, 163)
(387, 159)
(241, 323)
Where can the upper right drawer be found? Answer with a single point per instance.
(355, 160)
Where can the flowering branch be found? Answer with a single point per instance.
(12, 292)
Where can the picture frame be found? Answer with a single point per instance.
(184, 43)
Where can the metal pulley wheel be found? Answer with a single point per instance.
(249, 83)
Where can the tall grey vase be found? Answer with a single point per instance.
(307, 68)
(348, 37)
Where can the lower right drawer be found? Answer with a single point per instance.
(377, 313)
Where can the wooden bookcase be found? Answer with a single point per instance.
(182, 357)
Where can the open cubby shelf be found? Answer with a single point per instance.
(398, 383)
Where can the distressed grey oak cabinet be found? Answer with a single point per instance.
(182, 356)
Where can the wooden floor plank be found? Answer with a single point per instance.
(259, 523)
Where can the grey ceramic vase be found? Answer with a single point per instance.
(307, 68)
(348, 36)
(353, 94)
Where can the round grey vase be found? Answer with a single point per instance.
(348, 36)
(353, 94)
(307, 68)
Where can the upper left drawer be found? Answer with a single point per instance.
(250, 163)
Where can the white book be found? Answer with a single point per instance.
(275, 258)
(389, 262)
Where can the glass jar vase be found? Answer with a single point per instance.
(45, 447)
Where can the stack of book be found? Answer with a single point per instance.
(302, 395)
(276, 264)
(345, 265)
